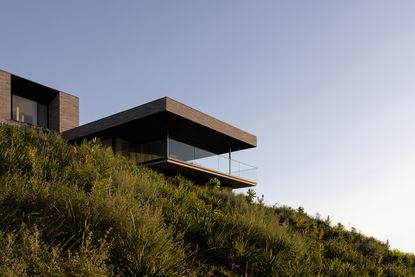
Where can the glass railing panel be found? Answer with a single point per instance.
(223, 164)
(244, 171)
(193, 155)
(210, 162)
(180, 151)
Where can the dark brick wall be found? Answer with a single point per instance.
(64, 112)
(69, 112)
(5, 96)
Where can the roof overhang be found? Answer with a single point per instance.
(166, 116)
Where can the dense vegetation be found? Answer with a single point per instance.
(81, 211)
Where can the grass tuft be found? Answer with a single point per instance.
(83, 211)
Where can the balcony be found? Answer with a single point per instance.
(200, 158)
(173, 156)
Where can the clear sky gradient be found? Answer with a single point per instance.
(327, 86)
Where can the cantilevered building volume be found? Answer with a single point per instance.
(164, 134)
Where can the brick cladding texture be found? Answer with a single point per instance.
(5, 96)
(63, 112)
(69, 111)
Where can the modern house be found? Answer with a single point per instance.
(24, 101)
(164, 134)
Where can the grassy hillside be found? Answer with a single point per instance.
(81, 211)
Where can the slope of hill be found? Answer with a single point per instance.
(82, 211)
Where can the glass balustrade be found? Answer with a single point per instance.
(199, 157)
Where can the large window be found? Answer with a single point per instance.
(149, 151)
(29, 111)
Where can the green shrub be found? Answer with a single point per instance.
(83, 211)
(214, 183)
(250, 195)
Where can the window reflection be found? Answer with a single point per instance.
(28, 111)
(149, 151)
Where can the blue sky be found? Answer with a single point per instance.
(327, 86)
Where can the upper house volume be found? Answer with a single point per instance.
(26, 102)
(164, 134)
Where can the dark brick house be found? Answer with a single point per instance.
(163, 134)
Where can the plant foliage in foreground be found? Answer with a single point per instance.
(81, 211)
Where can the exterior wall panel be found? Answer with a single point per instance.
(5, 96)
(63, 112)
(69, 112)
(54, 116)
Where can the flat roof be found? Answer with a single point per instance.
(182, 122)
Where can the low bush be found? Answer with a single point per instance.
(83, 211)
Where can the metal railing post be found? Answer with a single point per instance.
(230, 160)
(168, 144)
